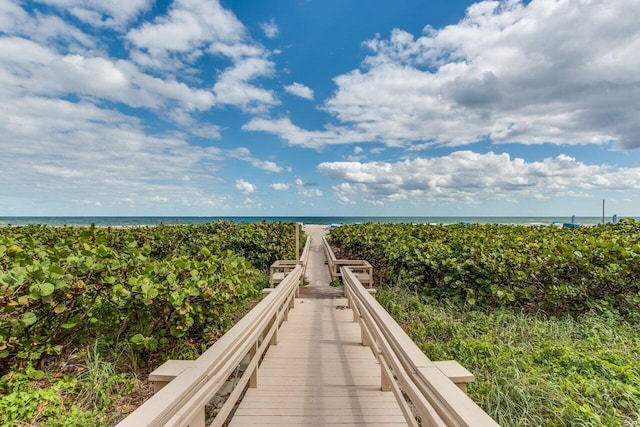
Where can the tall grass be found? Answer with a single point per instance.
(533, 370)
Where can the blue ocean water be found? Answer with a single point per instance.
(321, 220)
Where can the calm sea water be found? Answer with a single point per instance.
(321, 220)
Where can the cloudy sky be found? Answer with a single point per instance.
(319, 107)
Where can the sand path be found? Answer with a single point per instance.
(318, 274)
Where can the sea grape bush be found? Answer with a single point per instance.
(62, 286)
(558, 271)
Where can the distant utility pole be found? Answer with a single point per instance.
(603, 211)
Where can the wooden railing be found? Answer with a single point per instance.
(279, 269)
(185, 387)
(430, 386)
(361, 268)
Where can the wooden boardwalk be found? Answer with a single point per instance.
(319, 373)
(306, 364)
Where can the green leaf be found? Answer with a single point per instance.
(46, 289)
(137, 339)
(56, 269)
(150, 343)
(35, 374)
(28, 318)
(14, 250)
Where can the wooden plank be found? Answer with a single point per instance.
(251, 422)
(276, 390)
(257, 421)
(334, 402)
(351, 411)
(303, 420)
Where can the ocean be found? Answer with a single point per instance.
(128, 221)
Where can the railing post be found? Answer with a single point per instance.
(274, 337)
(253, 381)
(385, 374)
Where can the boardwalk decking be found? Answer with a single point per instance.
(319, 373)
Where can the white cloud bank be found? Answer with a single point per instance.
(59, 150)
(73, 114)
(469, 177)
(564, 72)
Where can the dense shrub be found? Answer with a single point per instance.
(547, 319)
(537, 268)
(146, 286)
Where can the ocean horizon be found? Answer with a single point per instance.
(122, 221)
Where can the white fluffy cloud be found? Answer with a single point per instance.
(469, 177)
(110, 13)
(243, 153)
(41, 28)
(300, 90)
(31, 68)
(563, 72)
(73, 116)
(233, 85)
(194, 28)
(279, 186)
(295, 135)
(189, 25)
(270, 29)
(56, 149)
(245, 187)
(307, 189)
(304, 189)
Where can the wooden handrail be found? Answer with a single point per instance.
(362, 268)
(405, 368)
(181, 402)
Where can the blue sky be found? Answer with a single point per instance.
(319, 107)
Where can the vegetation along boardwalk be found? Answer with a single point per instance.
(315, 355)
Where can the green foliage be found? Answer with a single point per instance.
(27, 396)
(148, 293)
(147, 285)
(546, 318)
(335, 283)
(532, 370)
(546, 269)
